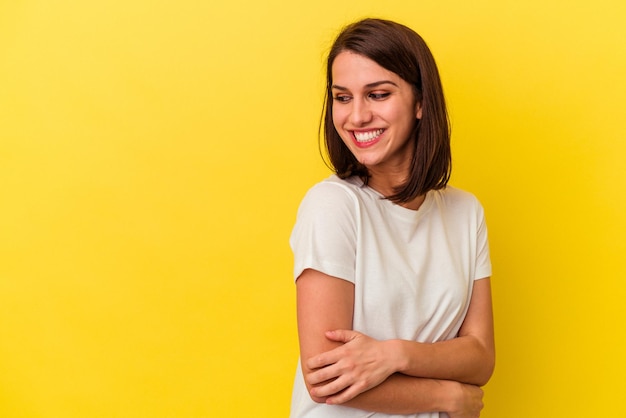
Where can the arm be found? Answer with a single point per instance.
(469, 358)
(325, 302)
(402, 395)
(359, 363)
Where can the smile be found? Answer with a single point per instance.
(364, 137)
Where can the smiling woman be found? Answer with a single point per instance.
(374, 113)
(392, 265)
(392, 56)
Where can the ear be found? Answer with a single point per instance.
(418, 110)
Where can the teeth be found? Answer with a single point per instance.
(367, 136)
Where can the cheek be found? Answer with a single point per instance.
(341, 113)
(337, 118)
(339, 121)
(407, 117)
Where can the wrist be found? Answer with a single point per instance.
(397, 354)
(448, 399)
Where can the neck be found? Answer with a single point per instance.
(386, 184)
(386, 180)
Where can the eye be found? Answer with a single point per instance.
(341, 98)
(379, 96)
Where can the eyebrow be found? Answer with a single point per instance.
(370, 85)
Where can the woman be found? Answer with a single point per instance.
(392, 265)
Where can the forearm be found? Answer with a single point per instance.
(464, 359)
(401, 394)
(469, 358)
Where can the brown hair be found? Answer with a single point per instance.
(399, 49)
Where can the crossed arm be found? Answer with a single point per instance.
(342, 366)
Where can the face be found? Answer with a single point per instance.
(374, 111)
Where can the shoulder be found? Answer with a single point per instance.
(455, 195)
(325, 233)
(458, 200)
(329, 208)
(332, 192)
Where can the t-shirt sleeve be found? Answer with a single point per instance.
(483, 259)
(324, 236)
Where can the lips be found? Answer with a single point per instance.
(364, 138)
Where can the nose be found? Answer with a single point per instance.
(360, 114)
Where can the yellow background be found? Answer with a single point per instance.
(153, 154)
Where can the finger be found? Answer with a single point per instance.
(325, 359)
(322, 375)
(342, 335)
(331, 388)
(346, 395)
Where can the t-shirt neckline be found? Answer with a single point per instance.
(397, 210)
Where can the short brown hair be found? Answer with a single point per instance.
(401, 50)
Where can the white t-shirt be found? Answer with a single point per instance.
(413, 271)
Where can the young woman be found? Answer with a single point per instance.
(392, 265)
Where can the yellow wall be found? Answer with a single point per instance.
(153, 154)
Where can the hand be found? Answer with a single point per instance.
(360, 364)
(467, 401)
